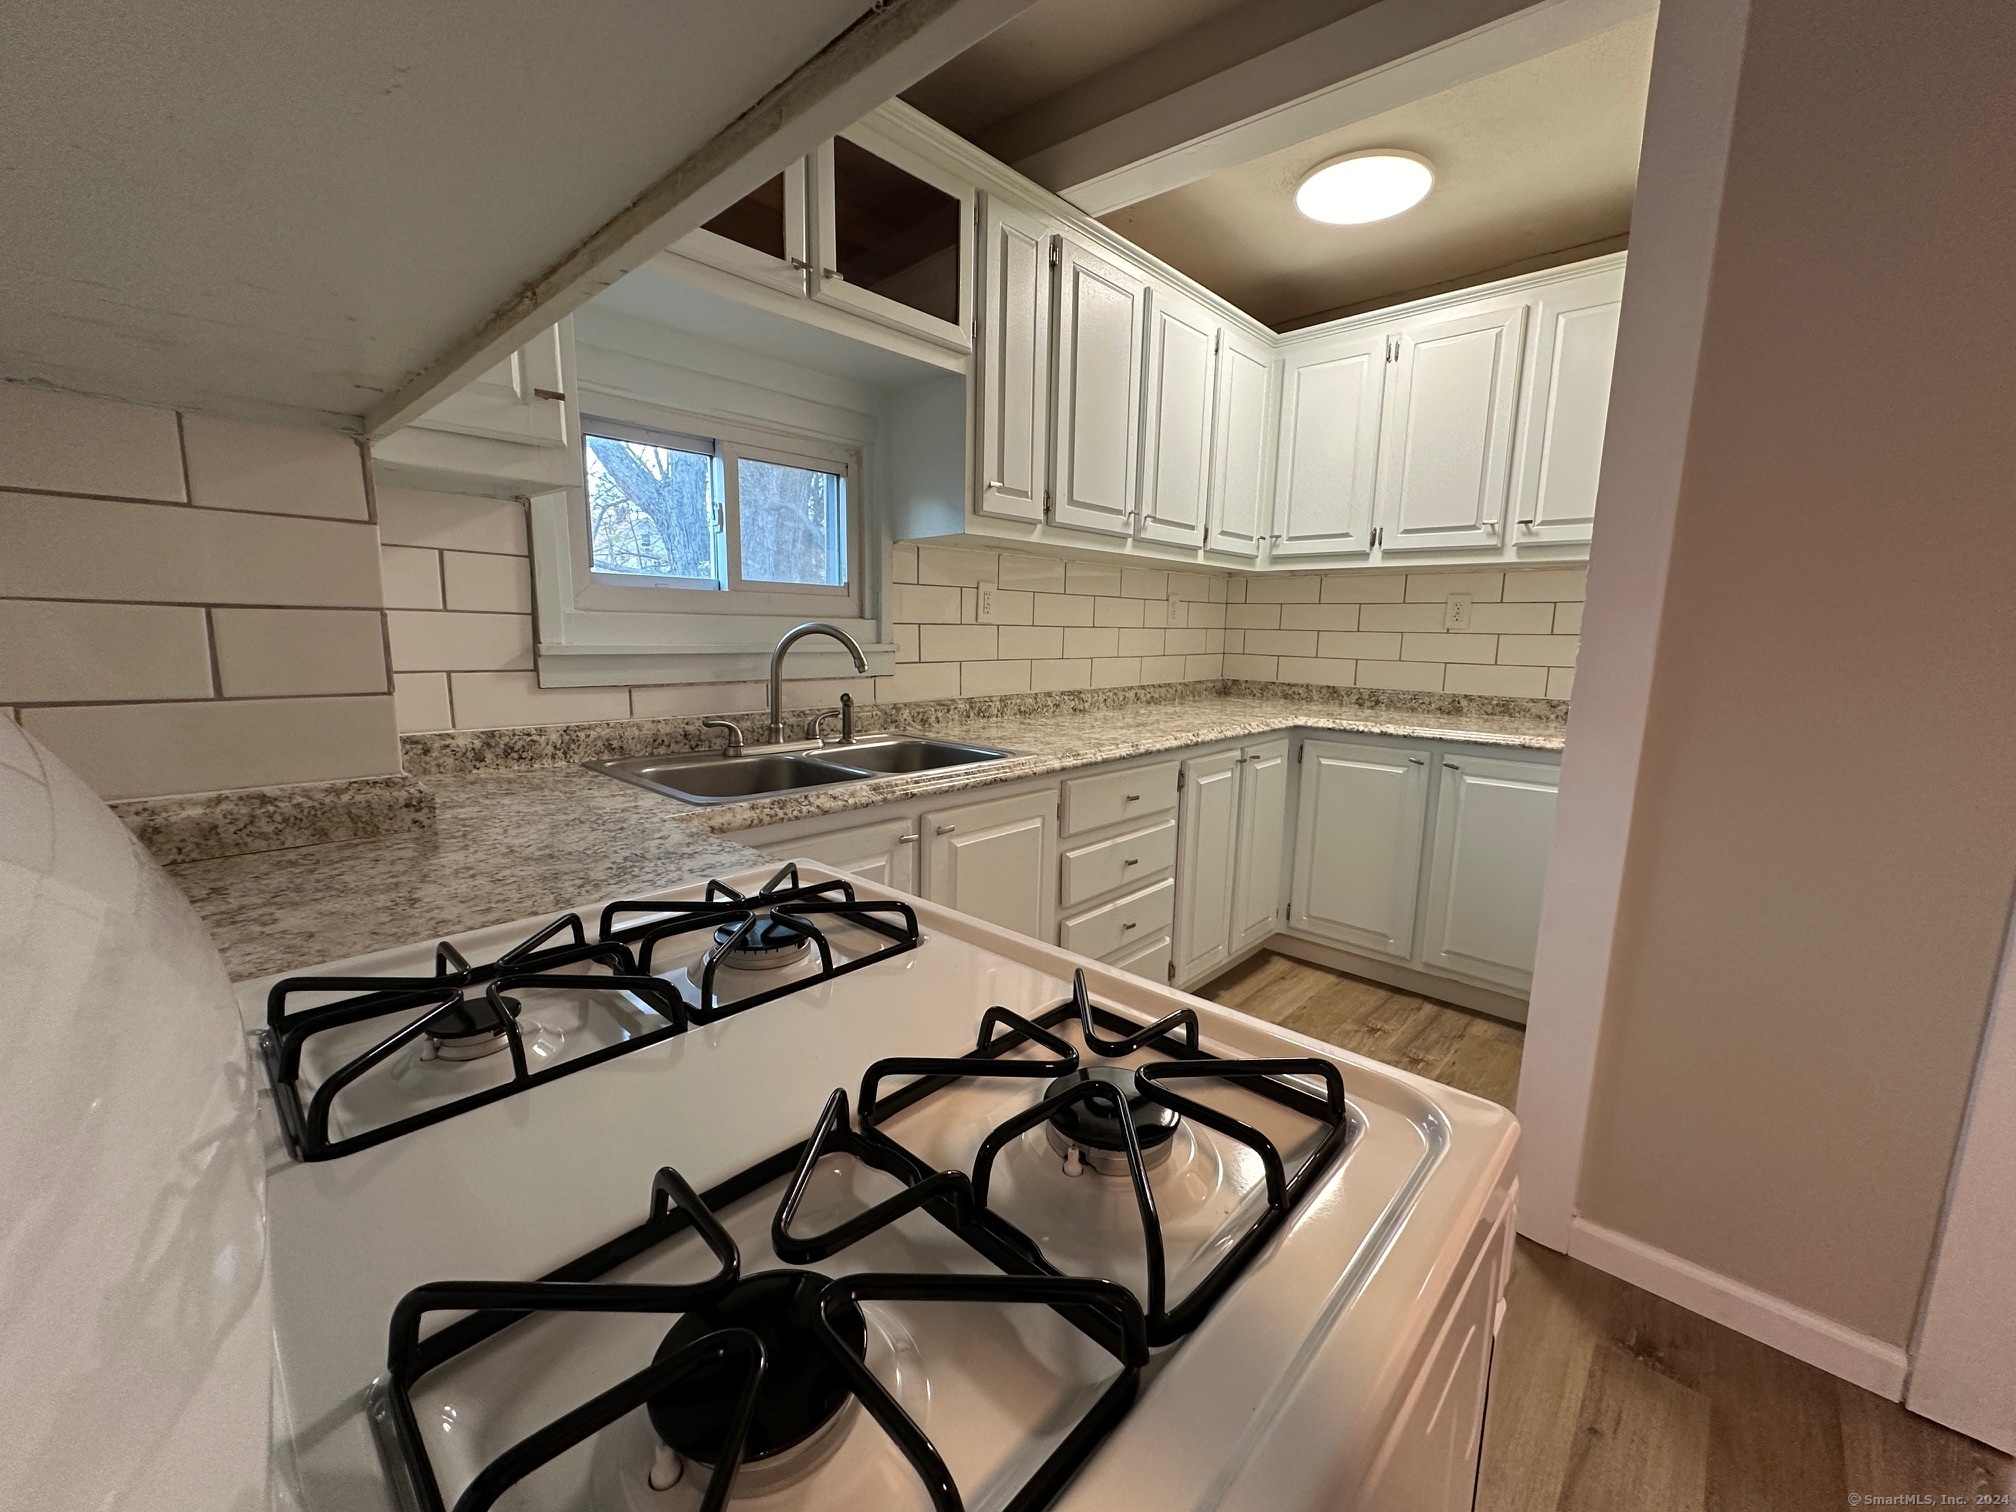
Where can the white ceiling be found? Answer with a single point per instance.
(1536, 159)
(293, 209)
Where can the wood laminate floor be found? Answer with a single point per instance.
(1605, 1398)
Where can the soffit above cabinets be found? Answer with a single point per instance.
(300, 211)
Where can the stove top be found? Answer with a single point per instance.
(960, 1225)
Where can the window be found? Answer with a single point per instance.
(751, 518)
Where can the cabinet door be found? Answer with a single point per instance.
(1263, 841)
(894, 231)
(1358, 844)
(1330, 403)
(1567, 404)
(1013, 364)
(522, 398)
(1446, 468)
(1241, 447)
(996, 861)
(1101, 309)
(1494, 820)
(884, 852)
(1176, 436)
(1207, 833)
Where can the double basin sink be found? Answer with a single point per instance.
(716, 777)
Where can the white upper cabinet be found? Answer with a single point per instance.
(1011, 369)
(1445, 475)
(1176, 438)
(1494, 821)
(1242, 447)
(1567, 404)
(1331, 395)
(893, 229)
(521, 399)
(1358, 844)
(1101, 310)
(761, 237)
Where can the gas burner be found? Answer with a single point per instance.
(768, 943)
(803, 1402)
(459, 1016)
(779, 925)
(467, 1031)
(1089, 1133)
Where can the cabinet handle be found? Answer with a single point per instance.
(946, 829)
(539, 393)
(1133, 797)
(1450, 766)
(1527, 523)
(906, 840)
(1135, 925)
(1131, 861)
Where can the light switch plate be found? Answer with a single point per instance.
(1456, 612)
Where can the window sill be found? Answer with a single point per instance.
(703, 649)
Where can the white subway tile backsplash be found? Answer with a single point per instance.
(919, 680)
(1365, 588)
(1139, 582)
(1089, 641)
(1536, 650)
(686, 700)
(955, 565)
(1257, 668)
(53, 651)
(1325, 670)
(1160, 669)
(450, 642)
(412, 577)
(951, 643)
(455, 522)
(155, 553)
(1434, 587)
(1568, 619)
(1118, 612)
(1318, 616)
(1511, 619)
(1012, 607)
(1253, 616)
(1143, 642)
(66, 443)
(1546, 585)
(1295, 589)
(1418, 677)
(1050, 676)
(920, 605)
(903, 563)
(1501, 682)
(140, 750)
(1401, 617)
(1358, 645)
(1560, 681)
(1282, 642)
(981, 679)
(1101, 579)
(282, 653)
(1031, 574)
(1116, 671)
(481, 581)
(1027, 642)
(498, 700)
(1203, 668)
(907, 641)
(274, 469)
(1449, 648)
(421, 701)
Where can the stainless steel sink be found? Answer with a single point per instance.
(714, 777)
(907, 755)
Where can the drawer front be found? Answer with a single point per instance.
(1117, 925)
(1092, 803)
(1092, 871)
(1150, 960)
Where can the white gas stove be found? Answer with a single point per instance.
(824, 1197)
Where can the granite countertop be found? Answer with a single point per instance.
(507, 844)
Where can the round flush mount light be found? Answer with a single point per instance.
(1366, 186)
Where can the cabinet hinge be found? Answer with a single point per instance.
(1392, 348)
(1046, 501)
(1181, 778)
(1056, 251)
(1172, 970)
(1300, 752)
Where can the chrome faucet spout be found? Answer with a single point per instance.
(789, 639)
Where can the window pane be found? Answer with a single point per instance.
(894, 233)
(756, 220)
(794, 524)
(648, 509)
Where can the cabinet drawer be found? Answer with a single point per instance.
(1092, 803)
(1120, 923)
(1150, 960)
(1093, 870)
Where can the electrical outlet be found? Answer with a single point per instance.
(1456, 612)
(1173, 610)
(987, 606)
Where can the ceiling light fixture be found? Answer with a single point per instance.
(1366, 186)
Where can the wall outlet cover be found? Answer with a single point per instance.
(1456, 612)
(987, 606)
(1173, 610)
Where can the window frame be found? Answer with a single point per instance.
(598, 629)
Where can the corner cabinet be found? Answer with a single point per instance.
(1234, 818)
(1487, 868)
(1358, 844)
(1567, 384)
(1242, 447)
(1332, 397)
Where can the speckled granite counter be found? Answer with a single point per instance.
(520, 842)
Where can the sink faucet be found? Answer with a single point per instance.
(791, 638)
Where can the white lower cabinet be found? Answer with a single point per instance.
(996, 861)
(884, 852)
(1358, 844)
(1234, 838)
(1487, 868)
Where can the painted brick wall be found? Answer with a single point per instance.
(187, 603)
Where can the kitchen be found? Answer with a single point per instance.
(1224, 680)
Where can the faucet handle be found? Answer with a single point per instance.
(812, 725)
(734, 746)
